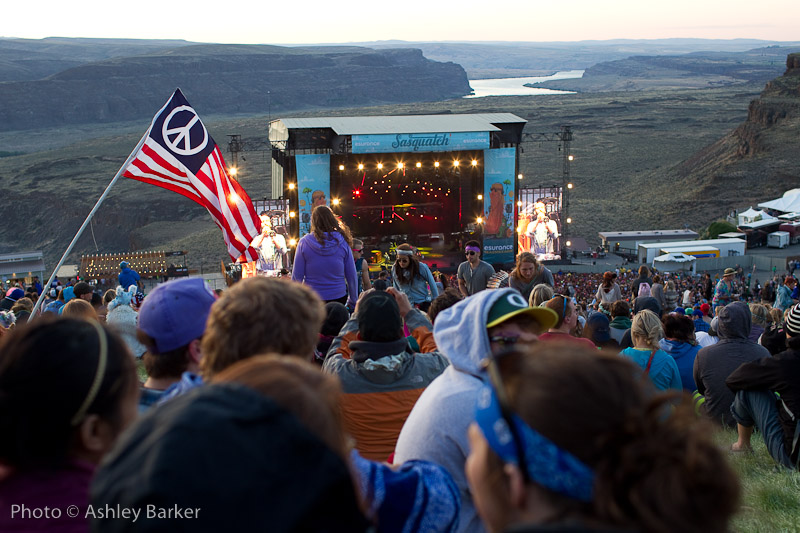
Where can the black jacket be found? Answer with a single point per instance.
(245, 462)
(779, 373)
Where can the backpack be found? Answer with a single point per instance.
(644, 289)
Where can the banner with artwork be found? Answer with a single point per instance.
(539, 222)
(313, 185)
(419, 142)
(498, 205)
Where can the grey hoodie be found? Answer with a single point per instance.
(715, 363)
(436, 429)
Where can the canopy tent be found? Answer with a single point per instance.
(674, 262)
(753, 215)
(788, 203)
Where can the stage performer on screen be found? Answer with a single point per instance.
(543, 231)
(496, 204)
(271, 248)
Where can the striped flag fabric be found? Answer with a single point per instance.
(178, 154)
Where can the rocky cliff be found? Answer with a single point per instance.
(228, 79)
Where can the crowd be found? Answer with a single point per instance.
(334, 402)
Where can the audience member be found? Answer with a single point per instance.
(656, 364)
(644, 278)
(608, 291)
(598, 330)
(122, 318)
(414, 278)
(528, 273)
(715, 363)
(540, 294)
(79, 308)
(680, 344)
(474, 273)
(620, 320)
(567, 320)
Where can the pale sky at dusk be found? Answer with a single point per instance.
(314, 21)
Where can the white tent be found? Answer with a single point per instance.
(788, 203)
(753, 215)
(674, 262)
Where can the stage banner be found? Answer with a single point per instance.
(419, 142)
(498, 205)
(313, 185)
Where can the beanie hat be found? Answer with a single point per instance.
(175, 313)
(792, 324)
(646, 302)
(688, 311)
(15, 293)
(705, 308)
(379, 318)
(680, 311)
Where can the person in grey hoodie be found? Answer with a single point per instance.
(324, 259)
(467, 334)
(715, 363)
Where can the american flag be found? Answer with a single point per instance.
(178, 154)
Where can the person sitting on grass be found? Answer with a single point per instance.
(768, 398)
(656, 365)
(680, 344)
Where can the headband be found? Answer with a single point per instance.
(405, 252)
(547, 464)
(473, 249)
(102, 360)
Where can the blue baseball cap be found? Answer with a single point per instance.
(175, 313)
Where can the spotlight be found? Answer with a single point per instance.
(335, 201)
(419, 165)
(569, 243)
(361, 166)
(519, 176)
(380, 166)
(233, 171)
(479, 220)
(474, 163)
(569, 185)
(569, 220)
(292, 214)
(399, 165)
(480, 197)
(455, 163)
(292, 186)
(571, 157)
(519, 204)
(292, 242)
(436, 164)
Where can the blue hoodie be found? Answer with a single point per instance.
(417, 290)
(327, 268)
(684, 354)
(436, 429)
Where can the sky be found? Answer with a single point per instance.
(315, 21)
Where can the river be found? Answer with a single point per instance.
(516, 86)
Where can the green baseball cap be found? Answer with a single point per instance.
(512, 304)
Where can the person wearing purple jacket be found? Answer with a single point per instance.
(324, 259)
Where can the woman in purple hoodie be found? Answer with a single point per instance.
(324, 259)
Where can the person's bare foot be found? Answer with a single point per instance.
(738, 447)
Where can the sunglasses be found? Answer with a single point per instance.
(470, 252)
(358, 249)
(495, 189)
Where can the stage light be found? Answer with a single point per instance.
(519, 176)
(335, 201)
(292, 214)
(480, 197)
(569, 243)
(571, 157)
(357, 192)
(419, 165)
(436, 164)
(233, 171)
(479, 220)
(569, 185)
(569, 220)
(474, 163)
(341, 167)
(455, 163)
(361, 166)
(292, 242)
(519, 204)
(291, 186)
(380, 166)
(399, 165)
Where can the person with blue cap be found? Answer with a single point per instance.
(128, 276)
(172, 320)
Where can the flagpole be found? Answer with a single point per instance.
(86, 222)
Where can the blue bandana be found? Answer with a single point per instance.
(547, 464)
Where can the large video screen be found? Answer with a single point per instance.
(539, 222)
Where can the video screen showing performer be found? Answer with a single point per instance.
(539, 222)
(271, 247)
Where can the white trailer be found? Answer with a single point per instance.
(778, 239)
(726, 247)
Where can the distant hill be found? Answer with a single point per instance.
(693, 70)
(757, 161)
(227, 79)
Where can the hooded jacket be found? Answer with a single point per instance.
(684, 354)
(381, 382)
(327, 268)
(714, 364)
(436, 429)
(240, 458)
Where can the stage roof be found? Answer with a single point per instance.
(381, 125)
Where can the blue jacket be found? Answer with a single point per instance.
(664, 372)
(128, 277)
(684, 354)
(417, 290)
(327, 268)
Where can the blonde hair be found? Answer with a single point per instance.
(78, 308)
(647, 327)
(540, 294)
(759, 313)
